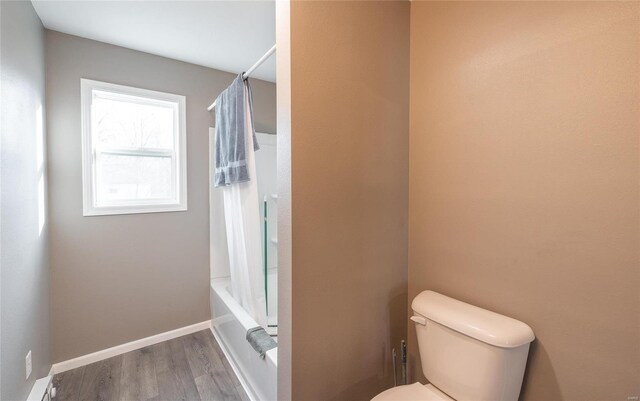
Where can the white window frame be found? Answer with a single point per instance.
(90, 153)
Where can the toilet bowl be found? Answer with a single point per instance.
(456, 341)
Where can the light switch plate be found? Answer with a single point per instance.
(28, 363)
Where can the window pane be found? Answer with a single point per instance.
(133, 178)
(125, 123)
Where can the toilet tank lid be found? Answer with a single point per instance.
(481, 324)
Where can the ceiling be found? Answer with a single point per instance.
(225, 35)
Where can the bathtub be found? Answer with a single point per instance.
(229, 325)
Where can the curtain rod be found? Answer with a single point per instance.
(250, 70)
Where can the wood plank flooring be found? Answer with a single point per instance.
(189, 368)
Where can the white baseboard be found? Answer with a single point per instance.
(40, 388)
(131, 346)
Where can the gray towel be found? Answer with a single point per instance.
(260, 340)
(231, 160)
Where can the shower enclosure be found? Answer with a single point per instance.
(267, 191)
(230, 321)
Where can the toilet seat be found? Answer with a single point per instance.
(412, 392)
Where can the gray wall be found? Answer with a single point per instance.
(120, 278)
(23, 238)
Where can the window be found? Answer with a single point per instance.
(134, 150)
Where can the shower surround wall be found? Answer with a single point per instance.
(524, 180)
(120, 278)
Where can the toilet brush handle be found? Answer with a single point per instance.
(395, 369)
(403, 361)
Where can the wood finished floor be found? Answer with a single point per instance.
(189, 368)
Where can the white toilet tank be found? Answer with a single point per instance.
(470, 353)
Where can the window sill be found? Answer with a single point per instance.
(115, 210)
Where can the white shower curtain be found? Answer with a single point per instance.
(244, 242)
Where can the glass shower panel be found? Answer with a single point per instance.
(267, 190)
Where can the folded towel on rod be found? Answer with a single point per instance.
(260, 340)
(231, 135)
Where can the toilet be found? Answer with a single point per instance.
(467, 353)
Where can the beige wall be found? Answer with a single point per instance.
(524, 180)
(120, 278)
(24, 275)
(349, 133)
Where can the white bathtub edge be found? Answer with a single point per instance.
(246, 386)
(256, 383)
(242, 316)
(272, 356)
